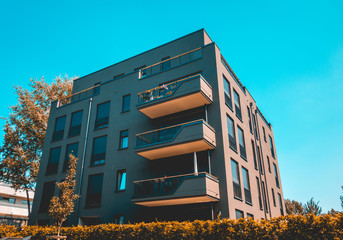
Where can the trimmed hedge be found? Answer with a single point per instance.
(290, 227)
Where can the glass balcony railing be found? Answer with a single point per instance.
(90, 92)
(170, 63)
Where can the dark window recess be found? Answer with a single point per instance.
(246, 185)
(94, 191)
(124, 139)
(241, 143)
(249, 116)
(264, 196)
(99, 151)
(118, 219)
(237, 105)
(280, 203)
(59, 128)
(273, 197)
(264, 134)
(96, 90)
(254, 154)
(254, 122)
(276, 176)
(54, 158)
(102, 115)
(48, 193)
(165, 65)
(137, 68)
(90, 221)
(227, 92)
(250, 216)
(121, 180)
(75, 124)
(126, 103)
(239, 214)
(259, 159)
(71, 149)
(237, 191)
(118, 75)
(259, 193)
(232, 135)
(269, 165)
(271, 146)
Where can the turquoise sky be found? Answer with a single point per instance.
(289, 54)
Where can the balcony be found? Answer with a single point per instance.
(176, 140)
(87, 93)
(176, 190)
(183, 94)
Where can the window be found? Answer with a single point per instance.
(237, 105)
(96, 89)
(255, 128)
(249, 116)
(269, 165)
(99, 150)
(264, 134)
(165, 64)
(239, 214)
(273, 197)
(71, 149)
(280, 203)
(259, 159)
(237, 192)
(118, 219)
(246, 185)
(124, 139)
(259, 193)
(271, 146)
(118, 75)
(121, 180)
(264, 196)
(48, 193)
(254, 153)
(276, 176)
(126, 103)
(241, 143)
(75, 124)
(102, 115)
(12, 200)
(94, 191)
(54, 158)
(250, 216)
(227, 93)
(232, 135)
(59, 128)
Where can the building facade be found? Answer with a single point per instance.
(13, 205)
(169, 134)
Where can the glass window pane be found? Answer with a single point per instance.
(121, 180)
(240, 136)
(245, 178)
(236, 98)
(60, 122)
(99, 145)
(55, 155)
(126, 103)
(95, 184)
(103, 110)
(76, 118)
(235, 171)
(230, 126)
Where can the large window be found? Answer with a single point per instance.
(271, 146)
(239, 214)
(259, 158)
(246, 185)
(94, 191)
(126, 103)
(254, 154)
(227, 93)
(255, 126)
(99, 150)
(280, 203)
(75, 124)
(232, 135)
(241, 143)
(54, 158)
(259, 193)
(249, 116)
(276, 176)
(124, 139)
(269, 169)
(102, 115)
(264, 196)
(71, 149)
(47, 194)
(59, 128)
(121, 180)
(273, 197)
(264, 134)
(237, 105)
(237, 192)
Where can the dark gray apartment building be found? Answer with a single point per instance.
(169, 134)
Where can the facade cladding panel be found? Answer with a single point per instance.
(172, 102)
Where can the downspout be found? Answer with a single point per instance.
(83, 160)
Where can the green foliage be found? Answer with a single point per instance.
(295, 227)
(312, 207)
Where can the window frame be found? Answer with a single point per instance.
(98, 126)
(121, 138)
(123, 105)
(60, 132)
(120, 174)
(227, 94)
(76, 126)
(89, 195)
(93, 158)
(237, 187)
(232, 139)
(50, 165)
(247, 191)
(66, 157)
(238, 108)
(242, 148)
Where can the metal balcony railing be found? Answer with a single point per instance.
(163, 91)
(87, 93)
(170, 63)
(163, 134)
(164, 185)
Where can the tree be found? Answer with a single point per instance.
(294, 207)
(342, 198)
(61, 206)
(25, 129)
(312, 207)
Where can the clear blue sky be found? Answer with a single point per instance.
(289, 54)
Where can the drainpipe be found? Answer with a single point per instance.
(206, 117)
(195, 162)
(83, 160)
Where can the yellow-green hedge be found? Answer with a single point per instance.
(289, 227)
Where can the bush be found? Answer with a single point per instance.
(294, 227)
